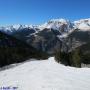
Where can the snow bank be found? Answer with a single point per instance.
(45, 75)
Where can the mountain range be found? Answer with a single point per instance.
(56, 35)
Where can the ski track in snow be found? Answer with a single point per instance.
(45, 75)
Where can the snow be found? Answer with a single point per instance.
(45, 75)
(59, 20)
(55, 24)
(62, 36)
(16, 26)
(13, 28)
(84, 27)
(83, 24)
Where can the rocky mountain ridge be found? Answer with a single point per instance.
(48, 36)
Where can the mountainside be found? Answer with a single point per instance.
(56, 35)
(45, 75)
(13, 50)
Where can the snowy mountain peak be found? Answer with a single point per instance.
(16, 26)
(83, 21)
(61, 25)
(64, 21)
(57, 24)
(13, 28)
(83, 24)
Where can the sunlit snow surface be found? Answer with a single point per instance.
(45, 75)
(83, 24)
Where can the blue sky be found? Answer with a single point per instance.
(40, 11)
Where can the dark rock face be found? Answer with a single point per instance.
(45, 40)
(23, 34)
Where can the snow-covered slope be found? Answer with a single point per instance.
(83, 24)
(45, 75)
